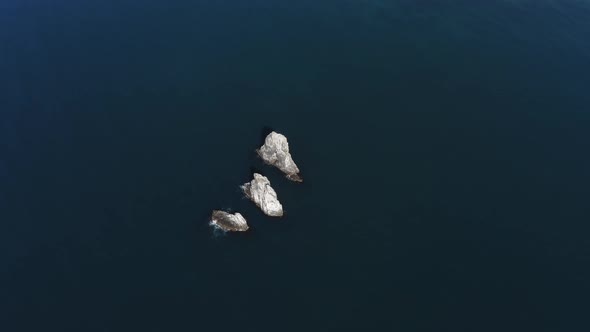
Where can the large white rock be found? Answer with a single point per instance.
(260, 192)
(228, 222)
(275, 151)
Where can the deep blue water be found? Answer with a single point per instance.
(444, 146)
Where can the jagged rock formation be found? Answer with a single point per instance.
(228, 222)
(261, 193)
(275, 151)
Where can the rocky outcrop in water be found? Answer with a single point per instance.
(228, 222)
(275, 151)
(260, 192)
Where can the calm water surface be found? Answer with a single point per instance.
(444, 146)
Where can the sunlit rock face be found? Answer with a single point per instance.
(228, 222)
(275, 151)
(260, 192)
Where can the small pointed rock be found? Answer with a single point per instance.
(260, 192)
(275, 151)
(228, 222)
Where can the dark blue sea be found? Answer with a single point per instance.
(444, 146)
